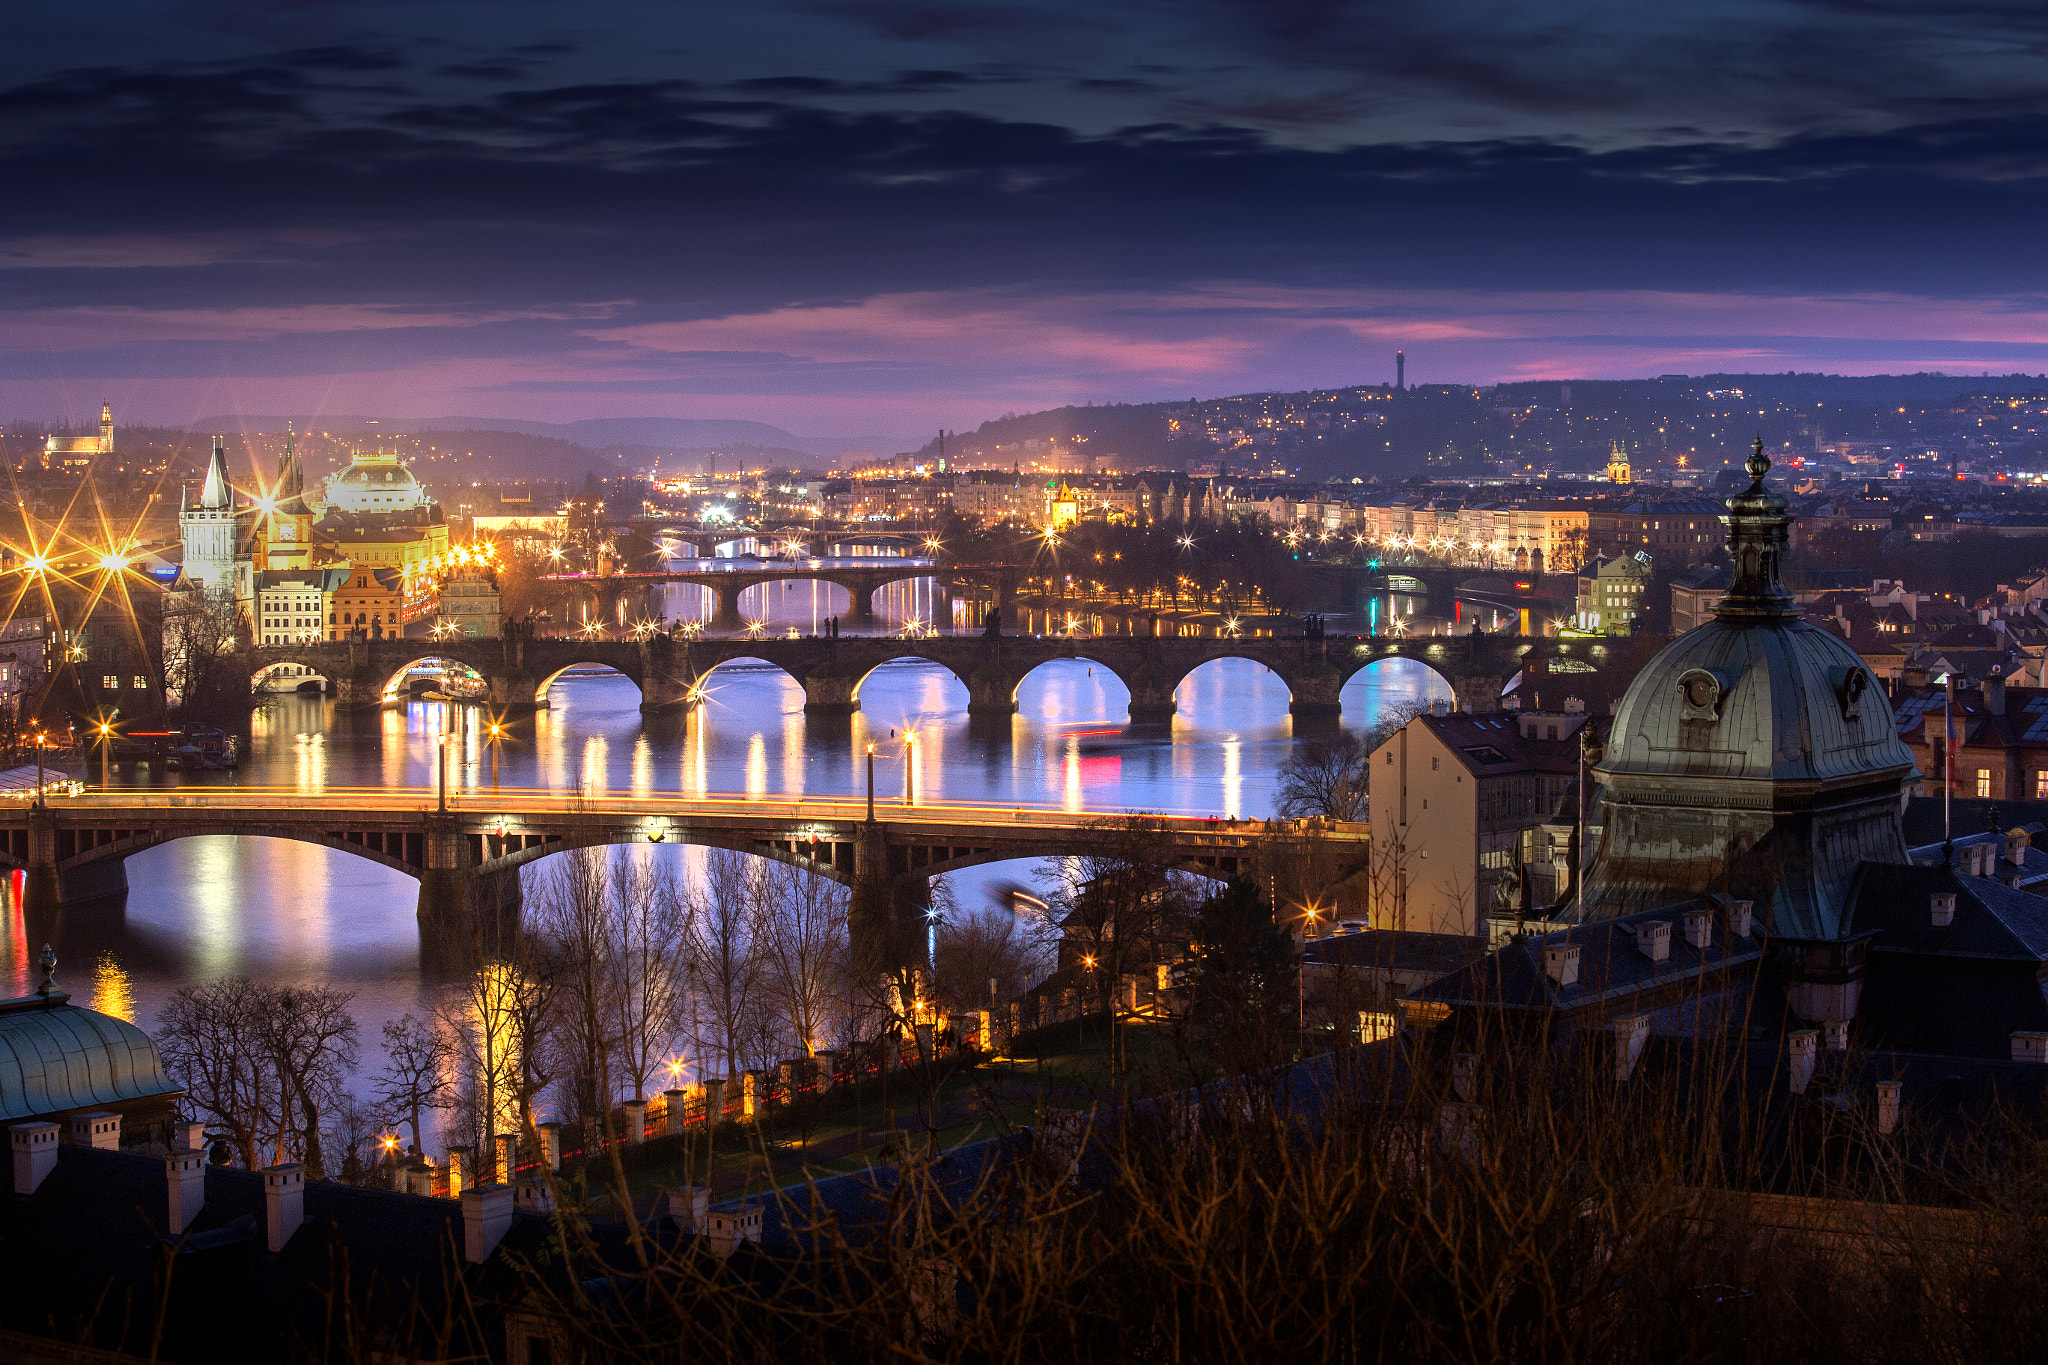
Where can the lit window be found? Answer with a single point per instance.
(1374, 1025)
(1983, 781)
(2041, 785)
(141, 683)
(109, 680)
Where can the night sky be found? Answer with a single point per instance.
(871, 219)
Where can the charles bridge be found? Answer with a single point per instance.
(671, 670)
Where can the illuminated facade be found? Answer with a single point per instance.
(77, 453)
(217, 528)
(375, 482)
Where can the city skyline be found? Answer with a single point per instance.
(869, 221)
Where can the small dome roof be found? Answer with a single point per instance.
(377, 476)
(1787, 701)
(57, 1057)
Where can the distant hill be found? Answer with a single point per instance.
(652, 434)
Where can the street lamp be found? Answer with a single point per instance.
(909, 767)
(871, 782)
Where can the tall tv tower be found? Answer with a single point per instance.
(1401, 371)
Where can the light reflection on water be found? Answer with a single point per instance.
(283, 911)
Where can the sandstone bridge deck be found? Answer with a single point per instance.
(672, 672)
(468, 855)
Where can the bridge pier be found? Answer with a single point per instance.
(860, 603)
(513, 691)
(727, 617)
(1152, 700)
(829, 692)
(668, 679)
(1315, 688)
(992, 692)
(446, 881)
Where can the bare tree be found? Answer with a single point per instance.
(801, 929)
(980, 956)
(644, 967)
(725, 959)
(568, 909)
(210, 1039)
(203, 673)
(311, 1038)
(1326, 775)
(418, 1073)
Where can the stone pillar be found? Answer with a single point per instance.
(828, 691)
(828, 1065)
(676, 1110)
(1315, 688)
(860, 602)
(505, 1156)
(727, 617)
(668, 677)
(1152, 691)
(513, 691)
(714, 1101)
(101, 879)
(445, 881)
(1477, 691)
(39, 877)
(550, 1145)
(634, 1122)
(461, 1172)
(992, 691)
(927, 1044)
(753, 1095)
(985, 1030)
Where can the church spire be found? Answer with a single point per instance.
(218, 495)
(1759, 535)
(291, 475)
(106, 428)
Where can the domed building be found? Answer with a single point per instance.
(1755, 756)
(375, 482)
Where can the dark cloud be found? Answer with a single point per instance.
(343, 57)
(488, 69)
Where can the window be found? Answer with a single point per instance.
(1374, 1025)
(1983, 781)
(2041, 785)
(1432, 765)
(109, 681)
(141, 683)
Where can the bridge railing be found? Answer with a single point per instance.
(379, 801)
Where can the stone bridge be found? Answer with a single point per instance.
(1502, 586)
(860, 582)
(671, 671)
(811, 539)
(467, 852)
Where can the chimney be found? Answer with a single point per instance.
(550, 1145)
(1464, 1074)
(1630, 1035)
(1994, 692)
(1801, 1052)
(1439, 707)
(1837, 1031)
(1561, 963)
(2030, 1047)
(534, 1196)
(690, 1206)
(1941, 907)
(486, 1213)
(2016, 846)
(35, 1154)
(1887, 1107)
(727, 1228)
(634, 1121)
(1739, 913)
(284, 1203)
(188, 1135)
(1699, 928)
(100, 1129)
(1653, 939)
(185, 1173)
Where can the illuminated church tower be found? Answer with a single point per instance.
(1617, 465)
(288, 520)
(213, 529)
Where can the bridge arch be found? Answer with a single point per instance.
(957, 694)
(1380, 688)
(1078, 687)
(584, 664)
(705, 687)
(1246, 684)
(288, 676)
(398, 683)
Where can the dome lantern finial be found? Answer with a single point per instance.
(1759, 537)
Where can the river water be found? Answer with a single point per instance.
(280, 911)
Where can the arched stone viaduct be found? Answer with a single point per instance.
(671, 671)
(467, 857)
(860, 583)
